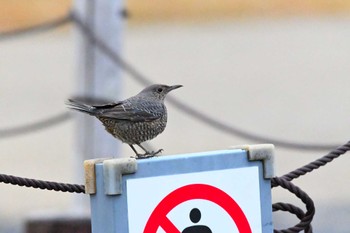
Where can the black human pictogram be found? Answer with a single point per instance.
(195, 216)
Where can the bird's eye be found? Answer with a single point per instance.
(160, 90)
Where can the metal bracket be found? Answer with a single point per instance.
(113, 170)
(263, 152)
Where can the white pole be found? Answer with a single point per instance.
(97, 77)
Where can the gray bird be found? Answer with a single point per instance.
(135, 120)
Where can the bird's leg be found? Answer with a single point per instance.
(149, 154)
(146, 155)
(137, 154)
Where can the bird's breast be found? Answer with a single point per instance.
(135, 132)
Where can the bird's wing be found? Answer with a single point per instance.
(128, 112)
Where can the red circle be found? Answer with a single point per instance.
(159, 218)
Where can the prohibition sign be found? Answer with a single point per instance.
(159, 217)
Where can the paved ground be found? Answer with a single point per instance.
(286, 79)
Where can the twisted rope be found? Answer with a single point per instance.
(41, 184)
(317, 163)
(284, 181)
(305, 219)
(280, 206)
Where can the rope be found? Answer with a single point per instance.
(284, 181)
(317, 163)
(35, 126)
(280, 206)
(187, 109)
(43, 27)
(41, 184)
(305, 221)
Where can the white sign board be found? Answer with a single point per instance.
(216, 201)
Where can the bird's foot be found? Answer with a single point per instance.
(144, 156)
(148, 154)
(156, 152)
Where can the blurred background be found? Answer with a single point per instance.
(274, 68)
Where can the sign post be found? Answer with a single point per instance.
(209, 192)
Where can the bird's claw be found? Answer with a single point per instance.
(156, 152)
(148, 154)
(143, 156)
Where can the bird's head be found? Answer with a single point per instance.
(158, 91)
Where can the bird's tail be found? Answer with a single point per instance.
(72, 104)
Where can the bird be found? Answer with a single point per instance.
(135, 120)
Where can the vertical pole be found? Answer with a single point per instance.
(97, 77)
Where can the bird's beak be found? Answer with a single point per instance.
(174, 87)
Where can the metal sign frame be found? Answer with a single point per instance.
(106, 180)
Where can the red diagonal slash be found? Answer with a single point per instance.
(159, 218)
(168, 226)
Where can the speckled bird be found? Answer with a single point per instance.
(135, 120)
